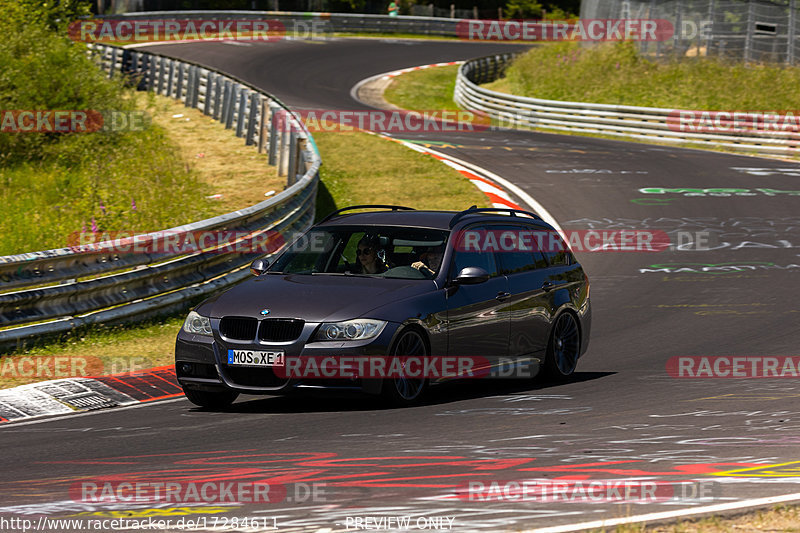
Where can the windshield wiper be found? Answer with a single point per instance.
(341, 274)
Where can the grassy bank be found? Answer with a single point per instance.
(56, 183)
(616, 74)
(427, 89)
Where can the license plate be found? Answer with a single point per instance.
(253, 358)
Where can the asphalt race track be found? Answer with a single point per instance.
(623, 417)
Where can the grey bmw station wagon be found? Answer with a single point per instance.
(405, 298)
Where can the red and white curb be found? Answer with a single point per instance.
(496, 194)
(75, 395)
(493, 186)
(396, 73)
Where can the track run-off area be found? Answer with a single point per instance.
(706, 445)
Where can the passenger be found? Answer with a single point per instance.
(367, 255)
(429, 261)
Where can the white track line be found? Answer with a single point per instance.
(668, 515)
(535, 206)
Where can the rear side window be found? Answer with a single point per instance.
(518, 249)
(556, 250)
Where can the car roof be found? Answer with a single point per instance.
(420, 219)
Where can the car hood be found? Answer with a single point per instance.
(317, 298)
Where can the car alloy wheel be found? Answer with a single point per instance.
(405, 390)
(564, 347)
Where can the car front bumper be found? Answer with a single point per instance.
(201, 362)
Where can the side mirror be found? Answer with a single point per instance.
(471, 276)
(258, 267)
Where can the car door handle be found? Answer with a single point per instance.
(548, 285)
(502, 296)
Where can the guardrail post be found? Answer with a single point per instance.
(198, 75)
(151, 73)
(179, 81)
(255, 104)
(303, 154)
(211, 79)
(225, 100)
(291, 163)
(263, 126)
(114, 51)
(231, 105)
(135, 67)
(161, 73)
(243, 94)
(218, 90)
(283, 151)
(124, 61)
(189, 86)
(275, 112)
(171, 77)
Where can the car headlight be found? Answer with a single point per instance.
(350, 330)
(197, 324)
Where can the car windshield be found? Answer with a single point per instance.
(374, 251)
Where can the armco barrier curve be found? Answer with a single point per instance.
(305, 24)
(645, 123)
(54, 291)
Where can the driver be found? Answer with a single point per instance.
(430, 260)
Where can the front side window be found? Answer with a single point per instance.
(473, 249)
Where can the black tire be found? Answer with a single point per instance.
(402, 391)
(209, 399)
(563, 348)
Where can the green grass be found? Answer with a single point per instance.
(427, 89)
(616, 74)
(393, 175)
(138, 183)
(100, 350)
(55, 185)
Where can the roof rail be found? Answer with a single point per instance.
(339, 211)
(475, 210)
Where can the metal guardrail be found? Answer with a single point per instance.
(301, 24)
(646, 123)
(42, 293)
